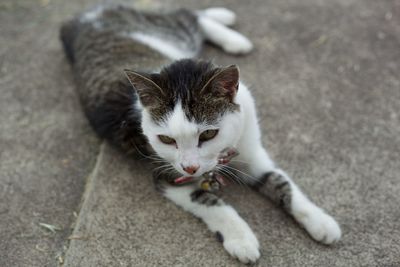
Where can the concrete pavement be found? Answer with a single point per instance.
(325, 77)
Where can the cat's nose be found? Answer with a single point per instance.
(191, 169)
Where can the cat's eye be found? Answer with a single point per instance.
(207, 135)
(166, 139)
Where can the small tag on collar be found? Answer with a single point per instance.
(212, 182)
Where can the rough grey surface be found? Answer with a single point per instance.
(325, 77)
(46, 146)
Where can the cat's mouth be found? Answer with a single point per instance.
(224, 158)
(210, 181)
(184, 179)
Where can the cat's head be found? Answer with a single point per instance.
(189, 113)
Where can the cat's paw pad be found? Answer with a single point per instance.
(246, 249)
(238, 44)
(323, 228)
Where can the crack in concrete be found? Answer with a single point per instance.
(85, 196)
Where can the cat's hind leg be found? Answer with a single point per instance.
(220, 14)
(234, 233)
(229, 40)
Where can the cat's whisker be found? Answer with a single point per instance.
(239, 161)
(161, 167)
(153, 157)
(253, 179)
(230, 175)
(165, 169)
(138, 150)
(239, 178)
(159, 161)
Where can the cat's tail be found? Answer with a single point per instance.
(213, 23)
(68, 33)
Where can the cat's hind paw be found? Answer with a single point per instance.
(245, 249)
(231, 41)
(237, 44)
(220, 14)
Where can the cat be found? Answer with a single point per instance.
(143, 89)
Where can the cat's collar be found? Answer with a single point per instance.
(210, 181)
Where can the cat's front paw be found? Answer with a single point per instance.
(322, 227)
(246, 249)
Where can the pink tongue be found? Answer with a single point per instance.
(182, 179)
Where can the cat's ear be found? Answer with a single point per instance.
(150, 94)
(224, 83)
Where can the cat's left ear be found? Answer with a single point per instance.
(224, 83)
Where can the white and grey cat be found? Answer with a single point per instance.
(142, 88)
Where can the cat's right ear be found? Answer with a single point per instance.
(150, 94)
(224, 83)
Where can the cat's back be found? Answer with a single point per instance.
(123, 31)
(103, 42)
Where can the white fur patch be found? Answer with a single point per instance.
(179, 125)
(220, 14)
(231, 41)
(165, 47)
(92, 15)
(321, 226)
